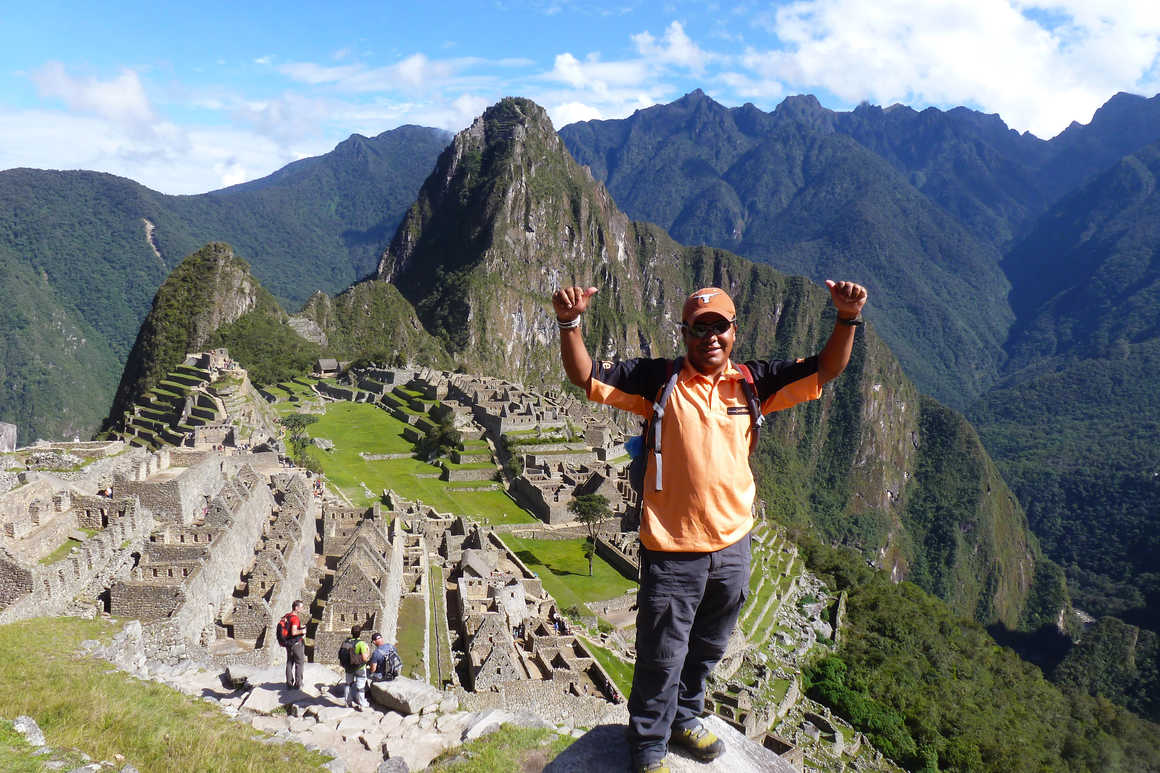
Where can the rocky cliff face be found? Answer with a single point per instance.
(209, 289)
(507, 216)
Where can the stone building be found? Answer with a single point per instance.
(366, 585)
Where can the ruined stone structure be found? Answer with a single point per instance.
(206, 402)
(211, 517)
(282, 559)
(549, 483)
(622, 550)
(368, 574)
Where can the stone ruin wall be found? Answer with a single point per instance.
(40, 590)
(180, 499)
(288, 547)
(212, 587)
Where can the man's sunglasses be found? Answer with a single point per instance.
(702, 330)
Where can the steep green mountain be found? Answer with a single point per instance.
(210, 297)
(1123, 125)
(373, 320)
(934, 691)
(507, 215)
(85, 252)
(1118, 661)
(790, 190)
(213, 300)
(1074, 425)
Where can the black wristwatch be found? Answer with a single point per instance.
(855, 322)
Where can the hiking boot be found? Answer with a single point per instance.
(657, 766)
(699, 742)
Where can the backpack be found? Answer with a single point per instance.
(650, 436)
(282, 630)
(349, 656)
(392, 664)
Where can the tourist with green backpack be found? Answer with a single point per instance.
(353, 655)
(703, 412)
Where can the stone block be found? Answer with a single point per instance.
(396, 765)
(418, 748)
(405, 696)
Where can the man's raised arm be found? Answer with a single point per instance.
(569, 303)
(849, 298)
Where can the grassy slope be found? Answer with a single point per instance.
(103, 713)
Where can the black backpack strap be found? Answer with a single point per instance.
(750, 390)
(658, 414)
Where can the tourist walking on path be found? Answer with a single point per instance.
(295, 646)
(697, 510)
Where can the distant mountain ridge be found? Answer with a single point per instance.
(85, 252)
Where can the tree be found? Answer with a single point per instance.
(296, 424)
(441, 438)
(590, 510)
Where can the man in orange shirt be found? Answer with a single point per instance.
(696, 515)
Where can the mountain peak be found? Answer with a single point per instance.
(805, 109)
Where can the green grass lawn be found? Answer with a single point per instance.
(65, 548)
(354, 427)
(88, 706)
(439, 654)
(564, 570)
(412, 622)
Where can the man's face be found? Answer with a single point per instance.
(710, 354)
(377, 640)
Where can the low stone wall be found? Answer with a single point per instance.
(480, 473)
(545, 699)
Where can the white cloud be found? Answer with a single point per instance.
(571, 112)
(676, 48)
(172, 160)
(121, 99)
(1038, 63)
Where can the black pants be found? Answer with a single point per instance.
(687, 607)
(295, 658)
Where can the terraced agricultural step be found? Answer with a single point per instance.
(185, 379)
(200, 374)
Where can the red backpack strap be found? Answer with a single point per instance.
(750, 390)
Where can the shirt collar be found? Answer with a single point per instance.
(688, 372)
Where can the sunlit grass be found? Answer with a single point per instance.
(563, 569)
(83, 703)
(508, 749)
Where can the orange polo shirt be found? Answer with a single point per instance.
(706, 501)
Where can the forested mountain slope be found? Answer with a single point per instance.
(1074, 425)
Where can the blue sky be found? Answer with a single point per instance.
(193, 98)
